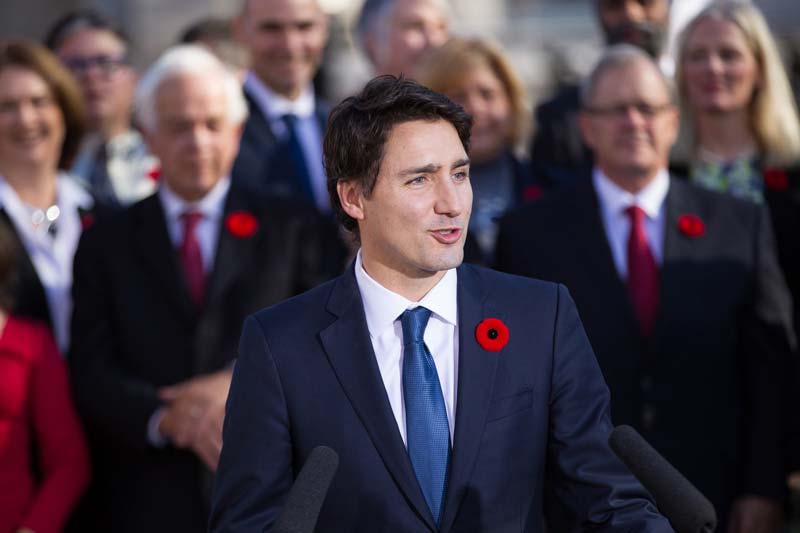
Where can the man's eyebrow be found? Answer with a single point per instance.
(427, 169)
(431, 168)
(460, 163)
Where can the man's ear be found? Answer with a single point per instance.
(351, 197)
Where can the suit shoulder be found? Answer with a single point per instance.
(718, 203)
(297, 311)
(117, 225)
(553, 207)
(511, 287)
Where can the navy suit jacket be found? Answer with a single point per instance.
(529, 417)
(262, 164)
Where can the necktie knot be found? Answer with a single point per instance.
(635, 213)
(414, 322)
(290, 120)
(191, 219)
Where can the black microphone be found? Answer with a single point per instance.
(684, 506)
(301, 510)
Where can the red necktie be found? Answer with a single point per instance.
(192, 258)
(642, 273)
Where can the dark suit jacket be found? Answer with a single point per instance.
(262, 164)
(27, 291)
(531, 415)
(135, 330)
(704, 390)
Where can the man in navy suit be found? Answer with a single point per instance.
(454, 395)
(281, 148)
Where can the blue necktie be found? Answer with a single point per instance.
(297, 156)
(427, 431)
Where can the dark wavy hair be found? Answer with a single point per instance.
(359, 126)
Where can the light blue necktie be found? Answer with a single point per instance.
(427, 431)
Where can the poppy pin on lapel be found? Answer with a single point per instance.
(492, 334)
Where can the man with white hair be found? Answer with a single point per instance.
(161, 292)
(396, 34)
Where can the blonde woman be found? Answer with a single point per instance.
(740, 130)
(477, 75)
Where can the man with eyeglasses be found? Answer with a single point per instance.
(679, 290)
(114, 162)
(558, 152)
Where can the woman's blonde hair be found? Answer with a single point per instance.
(773, 111)
(444, 69)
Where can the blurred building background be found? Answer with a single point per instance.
(549, 40)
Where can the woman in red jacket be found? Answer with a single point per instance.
(36, 413)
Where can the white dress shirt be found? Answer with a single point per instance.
(274, 106)
(212, 206)
(52, 255)
(617, 223)
(383, 308)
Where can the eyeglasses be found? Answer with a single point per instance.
(108, 65)
(648, 111)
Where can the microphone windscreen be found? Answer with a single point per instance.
(301, 510)
(684, 506)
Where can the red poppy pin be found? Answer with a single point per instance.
(531, 193)
(776, 179)
(492, 334)
(691, 225)
(155, 173)
(241, 224)
(87, 221)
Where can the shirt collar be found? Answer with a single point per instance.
(382, 306)
(614, 199)
(211, 205)
(273, 105)
(69, 194)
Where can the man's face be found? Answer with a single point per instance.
(98, 59)
(405, 32)
(630, 123)
(414, 223)
(286, 39)
(643, 23)
(194, 138)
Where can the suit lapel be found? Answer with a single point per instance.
(28, 291)
(349, 350)
(233, 252)
(257, 130)
(590, 239)
(677, 248)
(476, 372)
(154, 246)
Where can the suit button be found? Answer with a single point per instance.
(648, 416)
